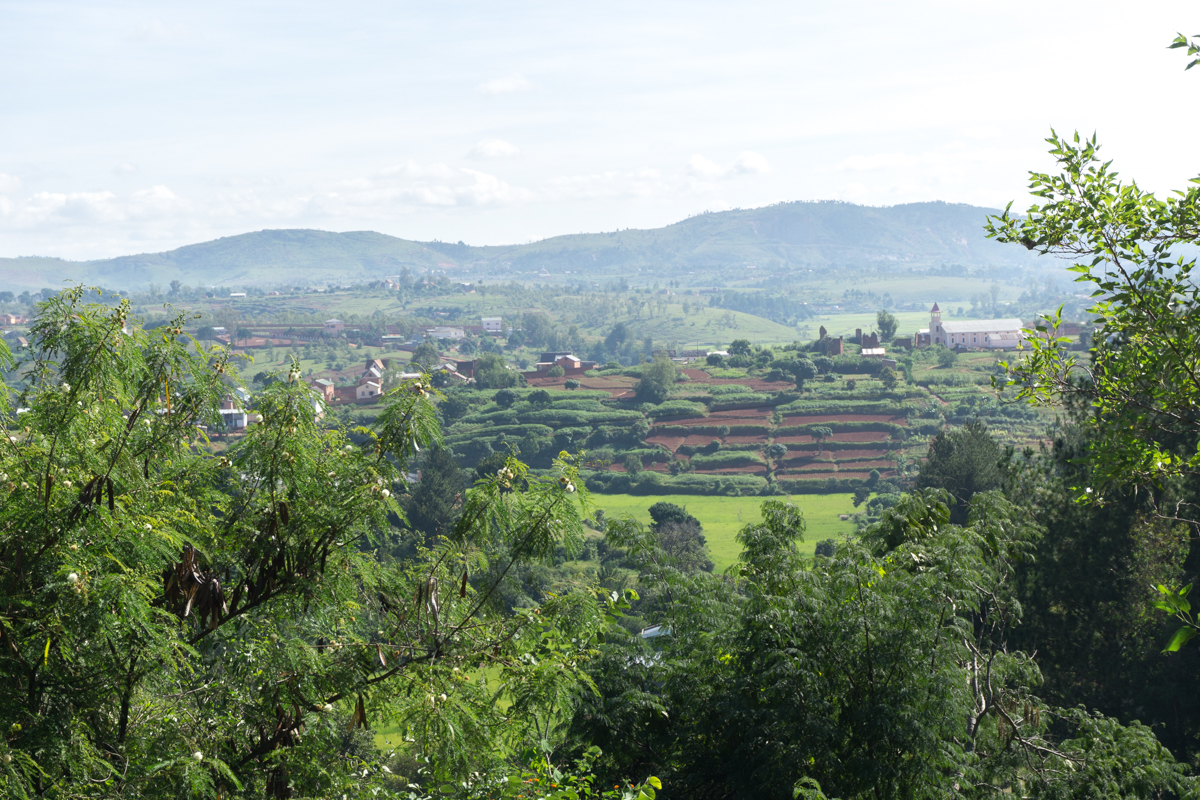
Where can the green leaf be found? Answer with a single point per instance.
(1181, 637)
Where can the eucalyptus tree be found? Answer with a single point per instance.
(180, 622)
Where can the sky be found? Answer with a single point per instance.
(130, 127)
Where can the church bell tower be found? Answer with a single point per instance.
(935, 324)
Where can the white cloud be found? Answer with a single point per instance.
(513, 83)
(124, 168)
(9, 184)
(748, 163)
(493, 148)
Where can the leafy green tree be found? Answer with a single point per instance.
(963, 461)
(492, 373)
(946, 357)
(881, 672)
(180, 623)
(425, 356)
(556, 371)
(888, 376)
(887, 325)
(658, 379)
(571, 383)
(539, 398)
(819, 434)
(803, 370)
(777, 452)
(505, 398)
(740, 347)
(206, 333)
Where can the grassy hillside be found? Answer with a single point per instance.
(787, 235)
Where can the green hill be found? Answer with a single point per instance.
(786, 235)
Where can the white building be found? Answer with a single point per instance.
(334, 326)
(445, 332)
(493, 325)
(367, 390)
(975, 334)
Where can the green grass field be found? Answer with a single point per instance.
(723, 517)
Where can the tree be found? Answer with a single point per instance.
(777, 452)
(244, 333)
(176, 285)
(819, 434)
(658, 379)
(946, 357)
(206, 333)
(425, 356)
(467, 347)
(804, 370)
(539, 398)
(436, 501)
(556, 371)
(7, 297)
(740, 347)
(888, 376)
(505, 398)
(839, 677)
(182, 623)
(963, 461)
(571, 383)
(714, 360)
(632, 463)
(492, 373)
(887, 325)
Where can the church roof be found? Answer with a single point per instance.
(935, 308)
(983, 325)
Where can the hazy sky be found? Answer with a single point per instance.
(138, 126)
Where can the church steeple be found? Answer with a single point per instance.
(935, 324)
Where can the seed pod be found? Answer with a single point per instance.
(462, 591)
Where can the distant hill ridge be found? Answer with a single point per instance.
(799, 234)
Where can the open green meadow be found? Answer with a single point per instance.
(723, 517)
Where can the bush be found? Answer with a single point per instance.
(726, 458)
(571, 384)
(540, 398)
(946, 357)
(505, 398)
(715, 360)
(556, 371)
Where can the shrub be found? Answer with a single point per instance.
(540, 398)
(726, 458)
(556, 371)
(571, 384)
(505, 398)
(946, 357)
(715, 360)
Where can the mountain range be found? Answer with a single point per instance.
(783, 236)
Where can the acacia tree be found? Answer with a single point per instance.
(175, 622)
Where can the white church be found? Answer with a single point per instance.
(989, 334)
